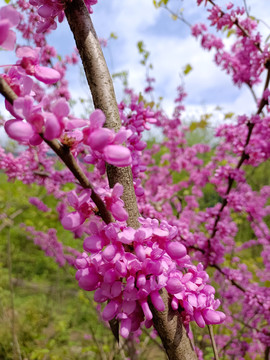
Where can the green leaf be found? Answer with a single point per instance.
(113, 36)
(193, 126)
(201, 124)
(187, 69)
(230, 32)
(228, 115)
(141, 98)
(140, 46)
(156, 4)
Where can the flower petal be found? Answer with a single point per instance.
(117, 155)
(19, 130)
(46, 75)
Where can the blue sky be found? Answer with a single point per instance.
(171, 48)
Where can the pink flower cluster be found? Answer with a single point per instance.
(105, 144)
(84, 206)
(53, 248)
(49, 10)
(39, 204)
(128, 279)
(136, 118)
(55, 123)
(246, 60)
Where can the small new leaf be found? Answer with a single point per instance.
(113, 36)
(187, 69)
(228, 115)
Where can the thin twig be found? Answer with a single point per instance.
(213, 342)
(101, 352)
(176, 16)
(246, 7)
(154, 340)
(267, 353)
(15, 344)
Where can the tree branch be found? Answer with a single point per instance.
(213, 342)
(101, 86)
(172, 332)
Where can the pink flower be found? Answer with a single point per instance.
(19, 130)
(117, 155)
(29, 63)
(115, 204)
(73, 220)
(104, 143)
(8, 17)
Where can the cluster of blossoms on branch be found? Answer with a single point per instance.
(125, 266)
(127, 279)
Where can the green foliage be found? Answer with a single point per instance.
(160, 3)
(201, 124)
(122, 76)
(144, 52)
(113, 36)
(228, 115)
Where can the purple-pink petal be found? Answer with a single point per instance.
(157, 300)
(174, 285)
(88, 279)
(60, 108)
(97, 119)
(46, 75)
(110, 310)
(125, 328)
(9, 13)
(72, 220)
(52, 128)
(117, 155)
(19, 130)
(93, 243)
(4, 29)
(118, 211)
(100, 138)
(176, 250)
(199, 318)
(9, 42)
(212, 316)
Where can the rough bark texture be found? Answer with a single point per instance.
(172, 332)
(101, 86)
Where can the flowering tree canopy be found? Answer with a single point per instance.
(154, 253)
